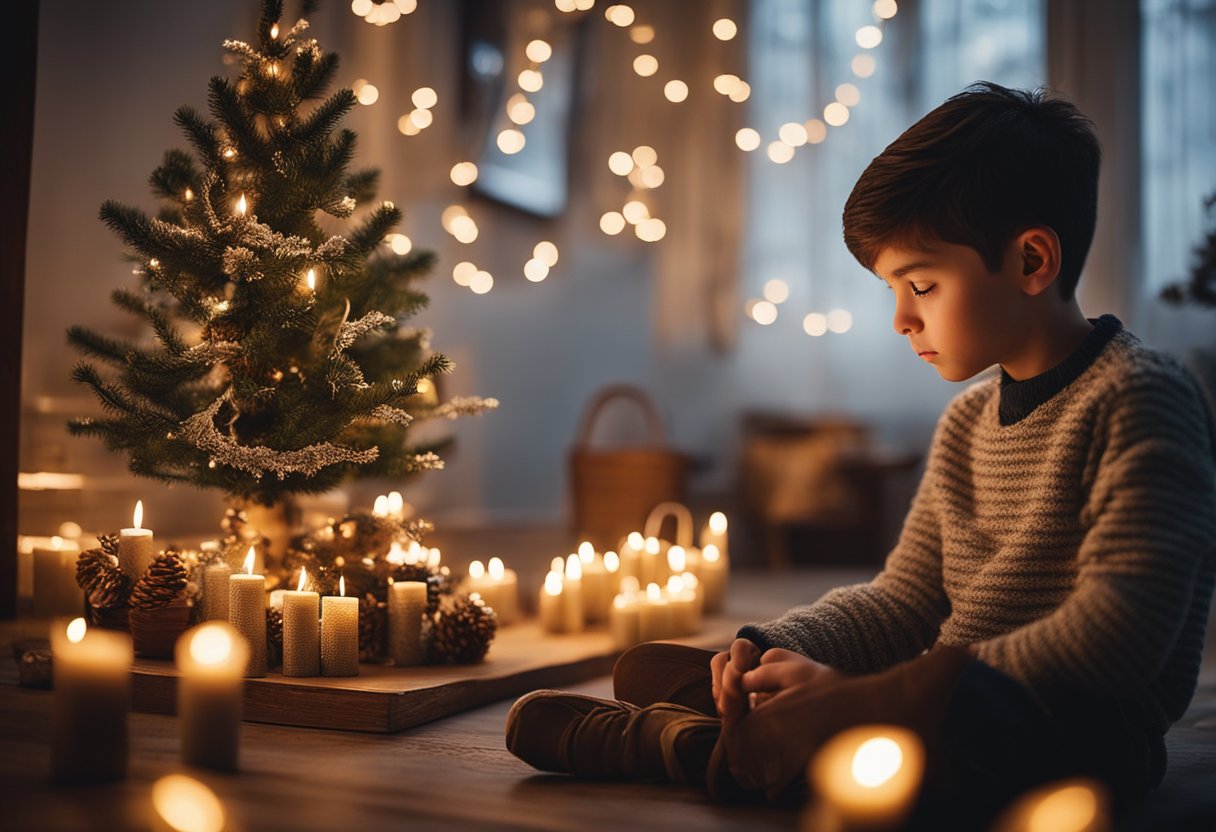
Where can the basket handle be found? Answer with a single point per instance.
(683, 517)
(658, 433)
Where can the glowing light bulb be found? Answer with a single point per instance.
(763, 312)
(836, 114)
(840, 320)
(189, 195)
(780, 152)
(793, 134)
(497, 569)
(848, 95)
(641, 34)
(653, 177)
(242, 206)
(401, 244)
(740, 93)
(885, 9)
(406, 126)
(651, 230)
(520, 109)
(421, 118)
(463, 273)
(274, 31)
(645, 156)
(368, 94)
(723, 84)
(530, 80)
(863, 65)
(816, 131)
(620, 15)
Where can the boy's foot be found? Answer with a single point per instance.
(590, 737)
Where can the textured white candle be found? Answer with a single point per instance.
(406, 606)
(211, 660)
(92, 691)
(55, 590)
(301, 631)
(339, 635)
(247, 613)
(215, 592)
(136, 546)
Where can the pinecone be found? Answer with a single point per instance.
(109, 544)
(106, 585)
(461, 631)
(274, 636)
(164, 581)
(373, 626)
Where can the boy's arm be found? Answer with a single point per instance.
(867, 627)
(1153, 522)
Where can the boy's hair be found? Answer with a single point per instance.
(984, 166)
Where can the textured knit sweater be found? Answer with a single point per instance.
(1065, 526)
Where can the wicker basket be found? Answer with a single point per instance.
(614, 489)
(155, 630)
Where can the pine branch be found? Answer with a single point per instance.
(372, 231)
(110, 350)
(175, 174)
(226, 107)
(325, 119)
(200, 133)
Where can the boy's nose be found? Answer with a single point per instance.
(906, 323)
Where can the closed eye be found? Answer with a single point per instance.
(922, 292)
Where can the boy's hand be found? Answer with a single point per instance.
(727, 669)
(780, 670)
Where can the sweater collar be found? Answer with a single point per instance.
(1020, 398)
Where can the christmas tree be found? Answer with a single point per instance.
(278, 364)
(1201, 286)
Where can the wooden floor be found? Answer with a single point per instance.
(450, 774)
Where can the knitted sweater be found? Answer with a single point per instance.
(1065, 526)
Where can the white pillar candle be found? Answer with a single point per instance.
(597, 597)
(624, 621)
(573, 616)
(714, 571)
(631, 549)
(340, 633)
(654, 615)
(549, 608)
(215, 592)
(654, 563)
(55, 590)
(504, 584)
(92, 692)
(714, 532)
(406, 606)
(868, 777)
(211, 660)
(301, 630)
(478, 581)
(247, 613)
(683, 607)
(136, 546)
(612, 565)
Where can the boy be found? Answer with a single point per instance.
(1042, 614)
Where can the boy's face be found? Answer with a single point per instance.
(956, 314)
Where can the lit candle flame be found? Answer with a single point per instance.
(189, 194)
(574, 568)
(676, 558)
(312, 280)
(636, 541)
(558, 565)
(242, 206)
(612, 562)
(710, 553)
(303, 579)
(652, 545)
(553, 583)
(137, 522)
(274, 31)
(653, 593)
(876, 761)
(498, 569)
(380, 507)
(341, 584)
(689, 580)
(396, 503)
(211, 644)
(586, 552)
(717, 522)
(249, 561)
(76, 630)
(476, 570)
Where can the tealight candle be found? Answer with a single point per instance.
(247, 613)
(92, 691)
(868, 776)
(301, 631)
(597, 596)
(340, 633)
(406, 606)
(136, 546)
(55, 589)
(211, 660)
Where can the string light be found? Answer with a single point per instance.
(653, 176)
(780, 152)
(463, 273)
(675, 91)
(361, 7)
(564, 5)
(816, 131)
(836, 114)
(366, 93)
(520, 109)
(839, 320)
(635, 211)
(747, 139)
(530, 80)
(274, 31)
(422, 119)
(868, 37)
(400, 244)
(651, 230)
(815, 324)
(464, 229)
(641, 34)
(450, 214)
(793, 134)
(644, 156)
(762, 312)
(406, 125)
(189, 195)
(740, 93)
(776, 291)
(885, 9)
(546, 252)
(863, 65)
(724, 83)
(620, 15)
(620, 163)
(848, 95)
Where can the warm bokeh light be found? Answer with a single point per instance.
(840, 321)
(186, 805)
(1068, 809)
(310, 280)
(763, 312)
(645, 65)
(793, 134)
(725, 28)
(463, 273)
(520, 109)
(677, 559)
(422, 119)
(644, 156)
(511, 141)
(717, 525)
(725, 82)
(450, 214)
(780, 152)
(635, 541)
(407, 127)
(553, 583)
(711, 553)
(536, 270)
(641, 34)
(546, 252)
(530, 80)
(863, 65)
(464, 229)
(816, 131)
(885, 9)
(653, 177)
(400, 244)
(747, 139)
(612, 223)
(583, 5)
(776, 291)
(741, 92)
(620, 15)
(482, 282)
(76, 629)
(424, 98)
(869, 36)
(242, 208)
(815, 324)
(620, 163)
(463, 173)
(574, 567)
(538, 51)
(675, 91)
(848, 95)
(361, 7)
(635, 211)
(836, 114)
(612, 562)
(651, 230)
(477, 570)
(366, 93)
(876, 761)
(211, 644)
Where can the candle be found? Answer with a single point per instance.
(498, 586)
(624, 621)
(92, 691)
(55, 589)
(573, 616)
(868, 776)
(247, 613)
(612, 565)
(714, 571)
(631, 555)
(654, 565)
(406, 606)
(654, 621)
(380, 506)
(683, 606)
(301, 630)
(340, 633)
(714, 532)
(597, 597)
(136, 546)
(215, 592)
(211, 659)
(549, 608)
(1076, 805)
(182, 802)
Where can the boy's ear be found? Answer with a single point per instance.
(1039, 252)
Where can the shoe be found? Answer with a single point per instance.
(604, 738)
(659, 671)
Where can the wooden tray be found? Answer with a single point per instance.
(383, 699)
